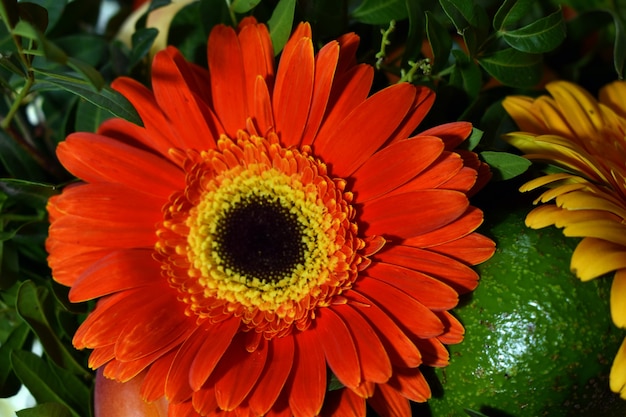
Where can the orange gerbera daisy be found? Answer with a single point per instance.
(587, 139)
(262, 228)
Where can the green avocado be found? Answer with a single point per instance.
(538, 341)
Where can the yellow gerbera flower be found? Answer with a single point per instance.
(586, 138)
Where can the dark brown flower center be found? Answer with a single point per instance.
(260, 238)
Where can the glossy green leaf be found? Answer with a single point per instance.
(54, 10)
(34, 14)
(40, 380)
(512, 11)
(474, 138)
(513, 67)
(31, 306)
(213, 12)
(440, 42)
(505, 165)
(141, 40)
(30, 193)
(155, 4)
(244, 6)
(380, 12)
(89, 116)
(541, 36)
(280, 23)
(9, 12)
(417, 25)
(17, 340)
(466, 74)
(469, 19)
(16, 161)
(473, 413)
(45, 410)
(106, 98)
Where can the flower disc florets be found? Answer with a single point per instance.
(260, 232)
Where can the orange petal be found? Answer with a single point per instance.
(204, 401)
(394, 165)
(325, 64)
(228, 87)
(429, 291)
(343, 403)
(258, 55)
(68, 260)
(471, 249)
(456, 274)
(118, 271)
(466, 224)
(153, 327)
(412, 214)
(217, 338)
(308, 376)
(339, 348)
(95, 158)
(272, 379)
(237, 372)
(422, 103)
(434, 353)
(365, 129)
(388, 402)
(293, 92)
(400, 349)
(411, 384)
(442, 170)
(452, 134)
(348, 91)
(153, 385)
(375, 363)
(397, 303)
(185, 113)
(177, 387)
(454, 329)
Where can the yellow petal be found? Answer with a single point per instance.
(520, 109)
(595, 257)
(602, 229)
(558, 191)
(581, 200)
(547, 179)
(618, 295)
(618, 372)
(553, 118)
(579, 107)
(614, 96)
(543, 216)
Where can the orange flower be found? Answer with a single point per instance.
(586, 138)
(264, 227)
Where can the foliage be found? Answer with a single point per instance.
(58, 57)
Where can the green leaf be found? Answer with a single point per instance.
(17, 340)
(280, 23)
(512, 67)
(54, 10)
(474, 138)
(473, 413)
(417, 23)
(31, 307)
(16, 161)
(29, 193)
(141, 40)
(45, 47)
(466, 74)
(380, 12)
(45, 410)
(213, 12)
(440, 42)
(89, 116)
(542, 35)
(89, 73)
(244, 6)
(619, 47)
(155, 4)
(106, 98)
(469, 19)
(34, 14)
(40, 380)
(9, 12)
(511, 11)
(505, 165)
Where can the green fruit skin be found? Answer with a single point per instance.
(538, 341)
